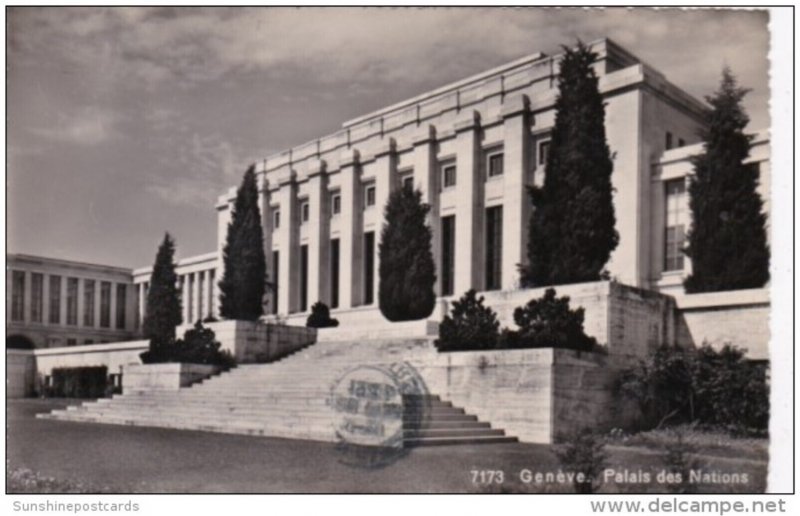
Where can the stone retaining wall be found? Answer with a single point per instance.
(167, 376)
(257, 342)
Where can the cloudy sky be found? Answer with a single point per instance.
(124, 123)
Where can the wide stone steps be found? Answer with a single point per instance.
(289, 398)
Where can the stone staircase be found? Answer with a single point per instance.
(288, 398)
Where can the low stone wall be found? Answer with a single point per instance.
(739, 317)
(533, 394)
(20, 373)
(114, 356)
(257, 342)
(380, 331)
(166, 376)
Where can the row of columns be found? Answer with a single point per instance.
(469, 212)
(197, 296)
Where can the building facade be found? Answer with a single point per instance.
(472, 148)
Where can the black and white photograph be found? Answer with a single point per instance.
(398, 250)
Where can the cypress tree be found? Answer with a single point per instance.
(163, 301)
(571, 230)
(243, 283)
(728, 240)
(407, 273)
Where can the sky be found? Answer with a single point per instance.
(123, 123)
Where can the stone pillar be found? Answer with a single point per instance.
(318, 233)
(81, 307)
(469, 258)
(26, 304)
(350, 230)
(113, 307)
(198, 296)
(264, 199)
(142, 303)
(516, 203)
(426, 175)
(45, 297)
(287, 237)
(185, 297)
(98, 289)
(63, 305)
(386, 181)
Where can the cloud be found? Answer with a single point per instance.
(88, 126)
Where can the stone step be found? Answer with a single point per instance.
(451, 432)
(442, 441)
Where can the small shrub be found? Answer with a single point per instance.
(198, 346)
(549, 322)
(680, 460)
(583, 453)
(470, 326)
(320, 317)
(79, 382)
(709, 387)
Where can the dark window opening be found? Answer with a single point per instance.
(448, 254)
(494, 247)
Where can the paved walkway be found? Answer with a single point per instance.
(152, 460)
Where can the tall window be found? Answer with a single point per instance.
(303, 278)
(668, 142)
(18, 296)
(369, 195)
(407, 181)
(122, 292)
(544, 152)
(275, 276)
(88, 302)
(448, 175)
(336, 203)
(105, 304)
(369, 268)
(495, 164)
(72, 301)
(37, 297)
(334, 273)
(674, 235)
(305, 211)
(55, 300)
(448, 254)
(276, 219)
(494, 247)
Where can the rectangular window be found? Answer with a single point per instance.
(105, 304)
(305, 211)
(122, 292)
(72, 301)
(681, 142)
(494, 247)
(369, 267)
(88, 302)
(407, 181)
(37, 297)
(88, 341)
(336, 203)
(448, 254)
(276, 219)
(449, 175)
(495, 164)
(369, 195)
(18, 296)
(275, 276)
(668, 141)
(544, 152)
(674, 235)
(335, 273)
(55, 300)
(72, 342)
(303, 278)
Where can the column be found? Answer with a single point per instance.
(63, 304)
(350, 231)
(264, 199)
(46, 300)
(26, 302)
(142, 304)
(81, 304)
(386, 181)
(469, 257)
(113, 307)
(197, 295)
(516, 203)
(98, 289)
(426, 177)
(318, 233)
(185, 297)
(287, 237)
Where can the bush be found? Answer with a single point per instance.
(549, 322)
(715, 388)
(320, 317)
(78, 382)
(583, 453)
(680, 460)
(470, 326)
(198, 346)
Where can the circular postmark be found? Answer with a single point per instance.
(378, 410)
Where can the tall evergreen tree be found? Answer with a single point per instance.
(163, 301)
(728, 240)
(243, 283)
(407, 273)
(571, 230)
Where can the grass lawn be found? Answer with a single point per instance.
(55, 456)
